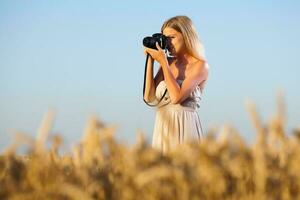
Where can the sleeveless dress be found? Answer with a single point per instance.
(176, 123)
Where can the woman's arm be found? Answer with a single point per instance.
(195, 77)
(149, 95)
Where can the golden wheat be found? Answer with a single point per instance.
(222, 166)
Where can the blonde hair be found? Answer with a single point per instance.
(185, 26)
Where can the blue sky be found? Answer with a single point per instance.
(86, 57)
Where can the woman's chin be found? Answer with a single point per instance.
(174, 53)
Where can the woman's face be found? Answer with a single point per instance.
(176, 42)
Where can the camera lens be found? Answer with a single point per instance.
(150, 42)
(147, 41)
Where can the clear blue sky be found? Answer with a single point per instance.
(84, 57)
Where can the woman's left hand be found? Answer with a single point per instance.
(158, 55)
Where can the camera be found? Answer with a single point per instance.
(156, 37)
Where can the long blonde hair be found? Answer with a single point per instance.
(185, 26)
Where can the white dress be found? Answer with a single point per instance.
(176, 123)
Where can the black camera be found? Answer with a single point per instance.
(156, 37)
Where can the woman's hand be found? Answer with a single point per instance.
(158, 55)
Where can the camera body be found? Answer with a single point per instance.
(156, 37)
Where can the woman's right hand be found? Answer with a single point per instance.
(145, 52)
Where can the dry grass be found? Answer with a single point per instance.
(221, 167)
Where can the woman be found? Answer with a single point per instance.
(184, 76)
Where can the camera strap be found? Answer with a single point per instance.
(145, 84)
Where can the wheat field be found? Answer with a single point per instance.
(222, 166)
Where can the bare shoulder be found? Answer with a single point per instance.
(199, 71)
(199, 67)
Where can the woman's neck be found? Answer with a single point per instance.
(185, 58)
